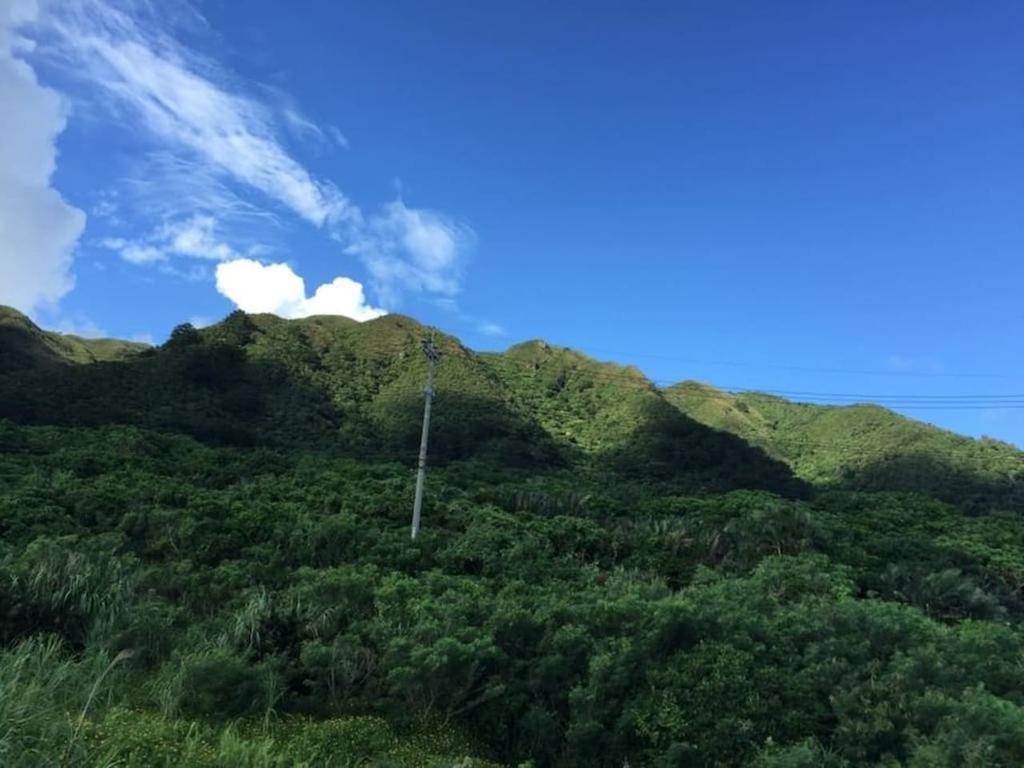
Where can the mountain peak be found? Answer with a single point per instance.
(9, 316)
(23, 345)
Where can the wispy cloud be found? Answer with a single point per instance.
(327, 137)
(167, 184)
(339, 138)
(217, 155)
(195, 237)
(158, 80)
(134, 252)
(412, 249)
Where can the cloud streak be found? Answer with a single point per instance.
(212, 145)
(411, 249)
(160, 82)
(195, 237)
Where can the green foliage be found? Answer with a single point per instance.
(23, 345)
(806, 754)
(864, 447)
(216, 683)
(205, 560)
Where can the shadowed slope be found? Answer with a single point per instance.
(357, 388)
(324, 382)
(24, 345)
(335, 384)
(864, 447)
(617, 418)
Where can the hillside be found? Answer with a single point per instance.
(356, 388)
(24, 345)
(205, 561)
(862, 447)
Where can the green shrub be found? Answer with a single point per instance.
(219, 684)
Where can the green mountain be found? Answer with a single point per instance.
(205, 560)
(357, 387)
(862, 447)
(339, 385)
(24, 345)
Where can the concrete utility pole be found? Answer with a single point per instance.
(433, 355)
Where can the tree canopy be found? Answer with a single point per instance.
(205, 560)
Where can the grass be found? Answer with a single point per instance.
(59, 710)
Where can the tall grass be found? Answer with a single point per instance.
(43, 695)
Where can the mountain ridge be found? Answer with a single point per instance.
(861, 446)
(534, 404)
(220, 527)
(25, 345)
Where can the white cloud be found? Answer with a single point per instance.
(133, 252)
(412, 248)
(341, 296)
(275, 288)
(165, 185)
(212, 144)
(158, 80)
(38, 229)
(194, 237)
(256, 287)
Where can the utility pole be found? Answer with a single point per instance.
(433, 355)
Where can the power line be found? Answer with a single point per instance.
(812, 369)
(908, 401)
(638, 378)
(641, 379)
(901, 402)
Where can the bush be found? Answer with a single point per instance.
(219, 684)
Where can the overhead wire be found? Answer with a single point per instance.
(814, 369)
(912, 401)
(901, 401)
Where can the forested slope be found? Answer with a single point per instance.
(205, 560)
(863, 447)
(24, 345)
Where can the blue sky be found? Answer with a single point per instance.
(800, 197)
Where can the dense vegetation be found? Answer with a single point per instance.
(205, 560)
(25, 345)
(864, 447)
